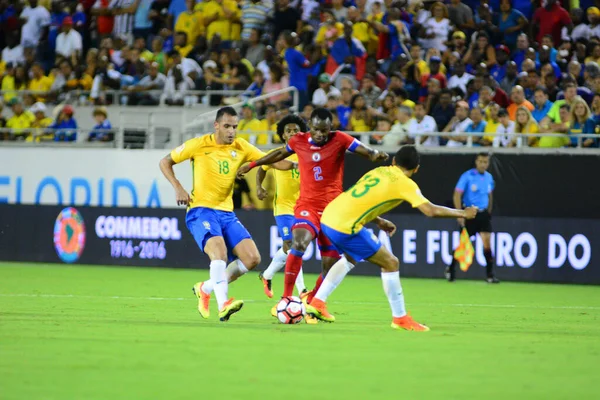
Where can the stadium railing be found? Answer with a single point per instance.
(132, 138)
(121, 97)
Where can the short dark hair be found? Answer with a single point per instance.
(541, 89)
(502, 113)
(482, 154)
(565, 107)
(290, 119)
(321, 113)
(225, 111)
(407, 157)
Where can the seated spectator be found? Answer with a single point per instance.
(541, 105)
(329, 31)
(460, 77)
(256, 88)
(307, 111)
(182, 45)
(8, 85)
(498, 70)
(525, 124)
(39, 82)
(558, 127)
(177, 85)
(13, 52)
(437, 28)
(2, 121)
(369, 90)
(41, 122)
(101, 132)
(517, 96)
(421, 126)
(277, 81)
(506, 130)
(403, 100)
(158, 55)
(388, 107)
(320, 95)
(510, 78)
(399, 131)
(144, 93)
(339, 11)
(481, 51)
(593, 15)
(580, 29)
(434, 66)
(458, 126)
(65, 126)
(250, 128)
(65, 80)
(444, 111)
(20, 121)
(477, 125)
(360, 117)
(255, 50)
(554, 115)
(269, 124)
(69, 45)
(582, 122)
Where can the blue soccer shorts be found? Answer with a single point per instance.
(360, 246)
(284, 226)
(205, 223)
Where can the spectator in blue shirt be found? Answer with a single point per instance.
(65, 126)
(498, 71)
(582, 122)
(510, 22)
(477, 125)
(101, 132)
(297, 67)
(541, 104)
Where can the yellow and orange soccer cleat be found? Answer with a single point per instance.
(230, 307)
(203, 300)
(274, 311)
(266, 285)
(318, 309)
(409, 324)
(304, 297)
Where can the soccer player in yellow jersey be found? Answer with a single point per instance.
(215, 160)
(344, 219)
(287, 192)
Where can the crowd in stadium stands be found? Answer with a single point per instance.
(401, 68)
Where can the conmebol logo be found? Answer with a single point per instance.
(112, 227)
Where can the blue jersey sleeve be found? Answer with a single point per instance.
(492, 185)
(461, 186)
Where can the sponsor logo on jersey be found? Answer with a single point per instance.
(316, 157)
(304, 213)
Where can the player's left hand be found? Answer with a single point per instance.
(243, 170)
(377, 156)
(387, 226)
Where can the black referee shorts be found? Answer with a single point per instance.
(481, 223)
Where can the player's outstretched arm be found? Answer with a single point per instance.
(166, 167)
(271, 158)
(285, 165)
(261, 192)
(435, 211)
(371, 154)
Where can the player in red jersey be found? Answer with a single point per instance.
(321, 164)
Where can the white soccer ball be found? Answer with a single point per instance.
(290, 310)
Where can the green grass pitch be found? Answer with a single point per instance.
(81, 332)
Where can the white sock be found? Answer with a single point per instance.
(219, 280)
(393, 291)
(235, 270)
(300, 286)
(277, 263)
(333, 278)
(208, 286)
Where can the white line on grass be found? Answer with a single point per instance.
(76, 296)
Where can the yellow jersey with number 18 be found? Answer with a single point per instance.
(376, 193)
(214, 168)
(287, 188)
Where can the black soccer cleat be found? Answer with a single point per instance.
(450, 273)
(492, 279)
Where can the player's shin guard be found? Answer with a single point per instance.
(489, 262)
(277, 263)
(293, 265)
(393, 291)
(235, 270)
(334, 277)
(218, 276)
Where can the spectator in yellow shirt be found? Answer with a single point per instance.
(525, 123)
(182, 45)
(250, 128)
(270, 121)
(41, 121)
(492, 124)
(220, 16)
(8, 83)
(329, 31)
(190, 22)
(20, 120)
(39, 82)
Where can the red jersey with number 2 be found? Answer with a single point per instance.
(321, 167)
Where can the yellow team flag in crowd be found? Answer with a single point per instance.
(464, 252)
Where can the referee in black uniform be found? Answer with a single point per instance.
(475, 188)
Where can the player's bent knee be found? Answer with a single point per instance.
(216, 249)
(251, 260)
(392, 264)
(300, 245)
